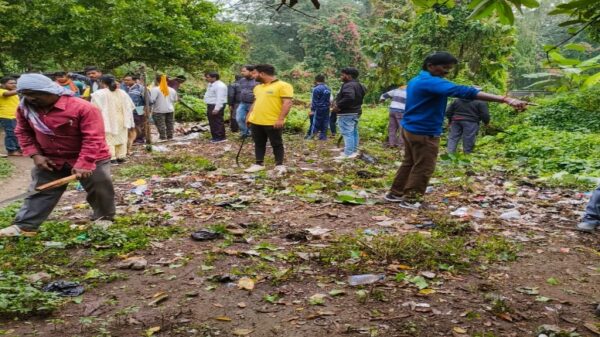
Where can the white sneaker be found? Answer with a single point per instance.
(341, 157)
(254, 168)
(354, 155)
(280, 170)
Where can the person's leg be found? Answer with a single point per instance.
(405, 168)
(454, 136)
(470, 130)
(220, 124)
(399, 116)
(425, 150)
(139, 128)
(322, 120)
(100, 192)
(260, 142)
(212, 121)
(392, 130)
(169, 124)
(36, 208)
(276, 140)
(120, 151)
(159, 121)
(10, 140)
(233, 124)
(355, 135)
(347, 130)
(311, 128)
(241, 113)
(333, 123)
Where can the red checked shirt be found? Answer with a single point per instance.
(78, 139)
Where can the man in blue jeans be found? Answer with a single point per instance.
(246, 88)
(9, 101)
(591, 219)
(348, 107)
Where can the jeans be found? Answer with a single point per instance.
(100, 195)
(466, 130)
(216, 122)
(10, 140)
(592, 210)
(333, 123)
(241, 113)
(260, 135)
(420, 156)
(349, 129)
(395, 129)
(164, 124)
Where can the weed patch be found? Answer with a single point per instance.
(167, 166)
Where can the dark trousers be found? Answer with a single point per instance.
(233, 124)
(139, 128)
(216, 122)
(420, 156)
(37, 208)
(466, 130)
(164, 124)
(319, 123)
(260, 134)
(10, 140)
(333, 123)
(592, 210)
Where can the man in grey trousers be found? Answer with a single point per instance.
(464, 116)
(64, 135)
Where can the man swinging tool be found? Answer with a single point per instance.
(64, 136)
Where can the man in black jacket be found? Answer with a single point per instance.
(234, 95)
(348, 106)
(464, 116)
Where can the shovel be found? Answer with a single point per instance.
(45, 187)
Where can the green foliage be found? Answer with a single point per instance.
(576, 111)
(185, 114)
(502, 8)
(18, 297)
(46, 34)
(6, 168)
(166, 166)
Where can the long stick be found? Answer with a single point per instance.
(237, 157)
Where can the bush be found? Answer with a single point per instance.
(575, 111)
(185, 114)
(18, 297)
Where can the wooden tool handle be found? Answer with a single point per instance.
(57, 183)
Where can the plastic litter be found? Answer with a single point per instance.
(367, 158)
(64, 288)
(54, 244)
(206, 235)
(357, 280)
(425, 225)
(159, 148)
(466, 212)
(140, 190)
(510, 215)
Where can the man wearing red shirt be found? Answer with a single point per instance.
(63, 135)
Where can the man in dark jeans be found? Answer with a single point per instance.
(427, 96)
(273, 101)
(60, 149)
(463, 117)
(215, 99)
(234, 96)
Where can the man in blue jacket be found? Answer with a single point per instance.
(427, 96)
(319, 108)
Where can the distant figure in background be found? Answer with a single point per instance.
(320, 101)
(93, 74)
(247, 84)
(9, 102)
(398, 97)
(234, 96)
(136, 93)
(348, 106)
(215, 99)
(63, 79)
(176, 82)
(464, 116)
(117, 113)
(163, 99)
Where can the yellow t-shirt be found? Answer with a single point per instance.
(268, 102)
(8, 105)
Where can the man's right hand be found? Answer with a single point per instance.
(43, 163)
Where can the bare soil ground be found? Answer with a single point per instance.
(199, 281)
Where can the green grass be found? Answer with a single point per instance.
(166, 166)
(6, 168)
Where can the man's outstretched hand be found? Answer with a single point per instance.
(517, 104)
(43, 163)
(81, 173)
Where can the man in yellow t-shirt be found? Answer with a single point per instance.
(273, 101)
(9, 101)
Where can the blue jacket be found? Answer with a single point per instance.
(426, 101)
(321, 97)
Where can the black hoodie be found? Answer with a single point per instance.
(350, 98)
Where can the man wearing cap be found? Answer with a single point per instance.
(63, 135)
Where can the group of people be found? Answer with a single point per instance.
(66, 135)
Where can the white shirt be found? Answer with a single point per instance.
(216, 94)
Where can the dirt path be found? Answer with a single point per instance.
(20, 178)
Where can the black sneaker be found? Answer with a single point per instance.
(393, 198)
(121, 160)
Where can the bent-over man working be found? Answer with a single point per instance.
(63, 135)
